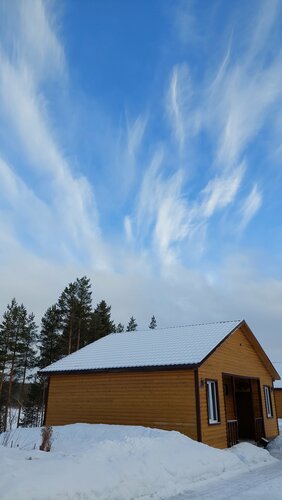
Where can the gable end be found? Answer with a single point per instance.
(243, 327)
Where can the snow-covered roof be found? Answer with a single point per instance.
(184, 345)
(278, 367)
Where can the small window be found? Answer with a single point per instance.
(268, 404)
(213, 412)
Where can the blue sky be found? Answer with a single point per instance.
(140, 144)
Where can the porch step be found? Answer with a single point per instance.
(263, 442)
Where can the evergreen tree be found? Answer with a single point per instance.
(84, 308)
(51, 345)
(32, 407)
(2, 416)
(3, 357)
(132, 325)
(119, 328)
(153, 323)
(2, 377)
(3, 374)
(68, 310)
(75, 306)
(101, 323)
(27, 355)
(13, 331)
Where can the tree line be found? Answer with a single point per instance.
(67, 325)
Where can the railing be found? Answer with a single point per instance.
(232, 432)
(258, 429)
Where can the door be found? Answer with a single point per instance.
(244, 406)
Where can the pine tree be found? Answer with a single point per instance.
(119, 328)
(153, 323)
(2, 412)
(101, 323)
(84, 308)
(2, 416)
(68, 305)
(13, 330)
(132, 325)
(51, 345)
(27, 355)
(75, 305)
(3, 357)
(32, 407)
(3, 362)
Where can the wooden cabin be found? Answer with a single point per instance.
(212, 382)
(278, 391)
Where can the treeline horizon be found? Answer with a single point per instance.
(25, 348)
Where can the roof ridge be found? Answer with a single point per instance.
(200, 324)
(182, 326)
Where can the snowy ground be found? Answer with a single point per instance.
(259, 484)
(120, 463)
(12, 418)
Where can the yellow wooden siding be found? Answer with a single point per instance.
(162, 399)
(256, 398)
(229, 399)
(235, 356)
(278, 400)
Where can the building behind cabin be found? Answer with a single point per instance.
(278, 390)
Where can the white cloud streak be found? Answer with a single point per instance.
(177, 103)
(250, 206)
(221, 191)
(135, 131)
(241, 97)
(171, 218)
(26, 114)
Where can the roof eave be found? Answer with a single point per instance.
(190, 366)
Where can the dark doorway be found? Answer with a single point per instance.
(244, 407)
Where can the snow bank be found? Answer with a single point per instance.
(114, 462)
(275, 446)
(251, 455)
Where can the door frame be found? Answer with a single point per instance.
(234, 376)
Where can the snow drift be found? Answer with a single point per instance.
(114, 462)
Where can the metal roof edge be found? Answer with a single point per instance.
(185, 366)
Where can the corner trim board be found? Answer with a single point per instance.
(198, 405)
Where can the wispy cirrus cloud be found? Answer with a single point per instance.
(177, 103)
(36, 44)
(250, 206)
(241, 96)
(221, 191)
(135, 130)
(231, 107)
(223, 114)
(22, 102)
(172, 223)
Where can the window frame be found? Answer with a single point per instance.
(212, 402)
(268, 401)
